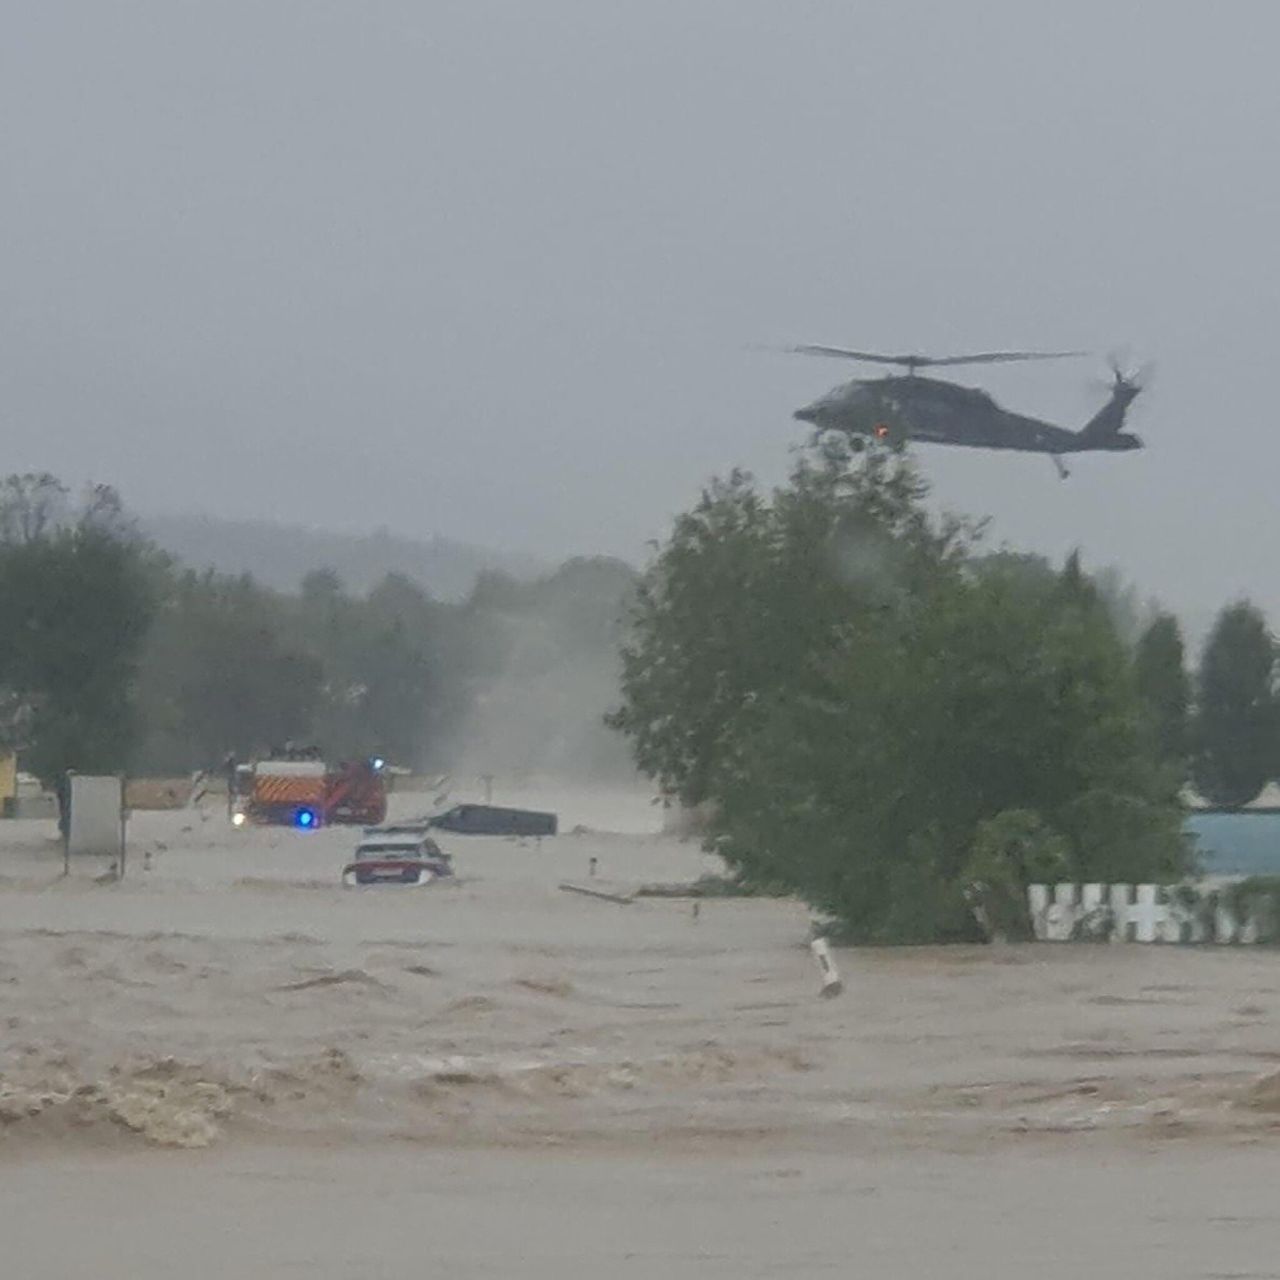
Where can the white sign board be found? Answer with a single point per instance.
(96, 804)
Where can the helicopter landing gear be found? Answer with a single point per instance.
(1060, 467)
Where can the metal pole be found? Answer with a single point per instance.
(124, 818)
(64, 817)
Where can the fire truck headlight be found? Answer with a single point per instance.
(237, 819)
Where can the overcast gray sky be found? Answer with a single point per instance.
(494, 270)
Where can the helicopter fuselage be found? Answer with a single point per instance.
(899, 409)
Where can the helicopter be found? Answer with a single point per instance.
(899, 408)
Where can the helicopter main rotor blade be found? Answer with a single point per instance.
(996, 357)
(924, 362)
(809, 349)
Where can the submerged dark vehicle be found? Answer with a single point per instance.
(901, 408)
(493, 820)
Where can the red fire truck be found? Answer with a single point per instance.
(297, 789)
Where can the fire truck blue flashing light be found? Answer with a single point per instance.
(305, 819)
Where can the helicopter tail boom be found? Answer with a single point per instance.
(1105, 430)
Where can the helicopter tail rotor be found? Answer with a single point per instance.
(1138, 379)
(1105, 430)
(1125, 376)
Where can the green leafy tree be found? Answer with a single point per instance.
(77, 588)
(383, 657)
(221, 675)
(32, 506)
(1011, 851)
(105, 646)
(1237, 720)
(396, 669)
(856, 691)
(682, 702)
(233, 666)
(1164, 688)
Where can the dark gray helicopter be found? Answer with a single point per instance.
(903, 407)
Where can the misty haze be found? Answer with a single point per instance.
(637, 639)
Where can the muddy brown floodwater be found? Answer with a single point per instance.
(228, 1065)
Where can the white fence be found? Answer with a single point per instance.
(1135, 913)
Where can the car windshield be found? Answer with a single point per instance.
(389, 849)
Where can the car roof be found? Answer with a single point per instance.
(399, 843)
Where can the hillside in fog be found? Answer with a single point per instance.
(280, 555)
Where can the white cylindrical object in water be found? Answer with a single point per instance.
(831, 984)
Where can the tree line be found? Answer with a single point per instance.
(113, 657)
(879, 714)
(1219, 725)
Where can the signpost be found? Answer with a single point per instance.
(96, 819)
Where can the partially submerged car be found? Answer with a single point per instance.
(403, 854)
(494, 820)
